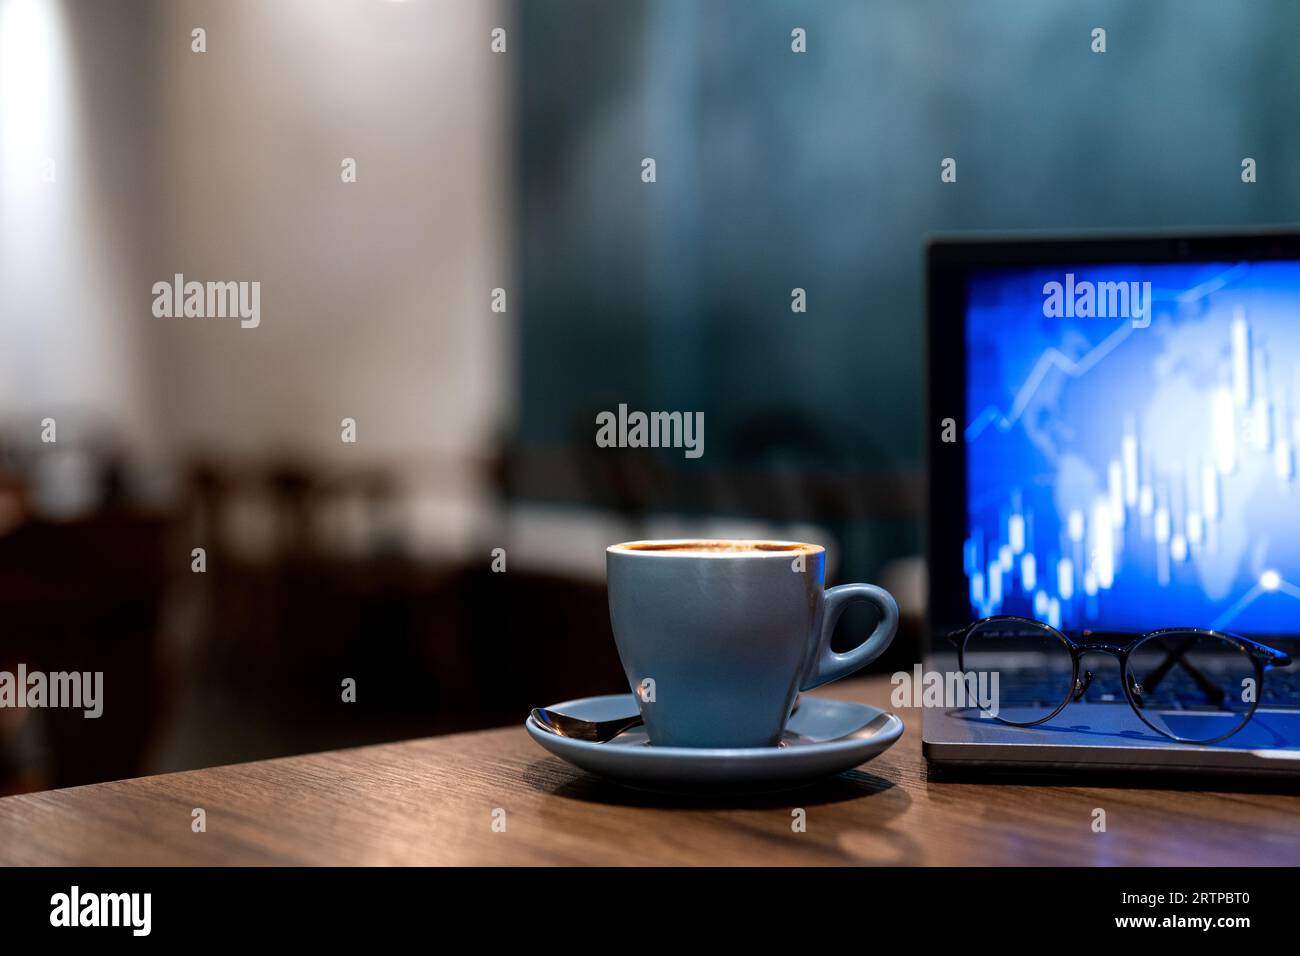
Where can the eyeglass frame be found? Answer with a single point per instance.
(1262, 657)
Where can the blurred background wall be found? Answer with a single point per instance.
(821, 171)
(126, 157)
(376, 293)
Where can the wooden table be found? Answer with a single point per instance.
(435, 801)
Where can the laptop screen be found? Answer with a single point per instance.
(1130, 444)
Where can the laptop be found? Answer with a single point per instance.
(1115, 447)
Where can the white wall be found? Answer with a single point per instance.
(225, 165)
(68, 347)
(375, 294)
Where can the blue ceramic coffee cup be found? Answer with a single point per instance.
(718, 637)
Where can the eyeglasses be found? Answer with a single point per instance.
(1191, 685)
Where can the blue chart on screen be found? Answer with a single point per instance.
(1131, 458)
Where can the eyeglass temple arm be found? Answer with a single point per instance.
(1274, 658)
(1172, 657)
(1271, 655)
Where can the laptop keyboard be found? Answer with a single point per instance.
(1281, 689)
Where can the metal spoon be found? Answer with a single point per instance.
(596, 731)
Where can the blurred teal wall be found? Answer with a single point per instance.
(821, 170)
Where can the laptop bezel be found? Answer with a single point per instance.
(949, 261)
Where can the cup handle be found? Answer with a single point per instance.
(832, 666)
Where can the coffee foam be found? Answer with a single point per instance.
(705, 546)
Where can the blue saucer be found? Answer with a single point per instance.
(823, 737)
